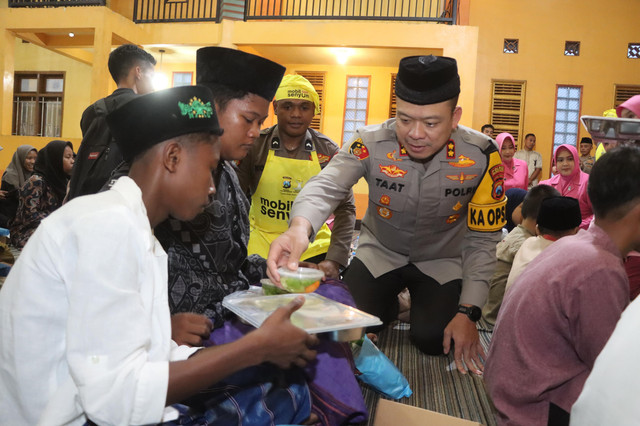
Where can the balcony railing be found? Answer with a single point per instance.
(56, 3)
(175, 10)
(442, 11)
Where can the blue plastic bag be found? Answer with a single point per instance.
(379, 372)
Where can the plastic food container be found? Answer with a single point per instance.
(269, 289)
(302, 280)
(318, 315)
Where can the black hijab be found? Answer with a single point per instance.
(49, 167)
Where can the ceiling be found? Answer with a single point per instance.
(80, 47)
(360, 56)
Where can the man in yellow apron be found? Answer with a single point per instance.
(278, 166)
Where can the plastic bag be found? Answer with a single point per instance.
(379, 372)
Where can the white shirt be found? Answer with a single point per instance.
(528, 251)
(533, 159)
(610, 394)
(84, 318)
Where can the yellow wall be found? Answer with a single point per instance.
(29, 57)
(86, 83)
(542, 27)
(76, 96)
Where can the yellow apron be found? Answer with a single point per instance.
(281, 181)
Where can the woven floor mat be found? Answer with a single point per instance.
(435, 381)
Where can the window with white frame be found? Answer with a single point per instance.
(37, 103)
(567, 115)
(356, 105)
(182, 79)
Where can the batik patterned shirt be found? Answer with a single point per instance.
(208, 255)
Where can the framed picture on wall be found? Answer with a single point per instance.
(182, 79)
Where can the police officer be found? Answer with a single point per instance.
(435, 213)
(281, 161)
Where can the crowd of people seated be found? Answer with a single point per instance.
(123, 280)
(556, 299)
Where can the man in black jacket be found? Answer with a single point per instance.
(132, 69)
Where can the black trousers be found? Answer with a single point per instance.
(432, 305)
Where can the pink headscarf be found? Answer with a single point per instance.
(574, 179)
(632, 104)
(516, 172)
(500, 139)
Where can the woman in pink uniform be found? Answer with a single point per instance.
(570, 180)
(516, 172)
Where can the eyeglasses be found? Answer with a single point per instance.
(611, 127)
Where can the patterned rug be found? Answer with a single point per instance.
(436, 383)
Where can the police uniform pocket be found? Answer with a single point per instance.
(453, 205)
(457, 186)
(389, 204)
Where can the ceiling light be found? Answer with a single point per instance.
(160, 79)
(342, 54)
(72, 35)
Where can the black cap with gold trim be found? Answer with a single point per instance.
(156, 117)
(238, 70)
(425, 80)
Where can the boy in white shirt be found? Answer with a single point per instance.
(85, 331)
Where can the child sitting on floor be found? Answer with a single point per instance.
(558, 217)
(507, 248)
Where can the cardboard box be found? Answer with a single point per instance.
(391, 413)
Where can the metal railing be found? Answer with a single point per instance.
(175, 10)
(442, 11)
(56, 3)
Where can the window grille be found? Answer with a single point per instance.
(356, 105)
(567, 117)
(37, 103)
(624, 92)
(507, 106)
(572, 48)
(392, 98)
(182, 79)
(316, 78)
(510, 45)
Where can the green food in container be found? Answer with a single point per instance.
(269, 289)
(302, 280)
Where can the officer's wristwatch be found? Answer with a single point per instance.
(473, 312)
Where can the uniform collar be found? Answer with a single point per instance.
(276, 145)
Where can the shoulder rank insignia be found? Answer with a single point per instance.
(196, 108)
(323, 158)
(462, 162)
(451, 150)
(462, 178)
(358, 149)
(392, 171)
(392, 156)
